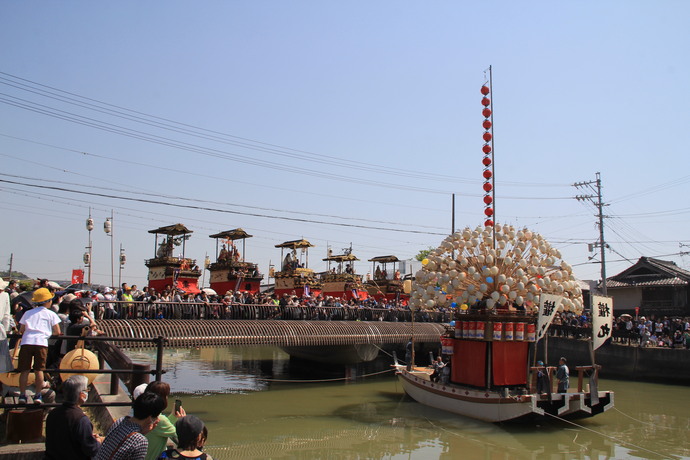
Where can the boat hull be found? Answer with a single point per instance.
(493, 406)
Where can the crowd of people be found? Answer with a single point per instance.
(130, 302)
(143, 435)
(146, 303)
(69, 433)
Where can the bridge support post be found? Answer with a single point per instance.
(350, 373)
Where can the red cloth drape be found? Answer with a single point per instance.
(509, 363)
(190, 287)
(469, 363)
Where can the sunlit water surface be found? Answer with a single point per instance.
(256, 406)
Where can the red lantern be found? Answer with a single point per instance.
(485, 90)
(487, 174)
(486, 112)
(487, 136)
(487, 186)
(486, 161)
(487, 124)
(486, 148)
(488, 199)
(489, 212)
(486, 101)
(489, 223)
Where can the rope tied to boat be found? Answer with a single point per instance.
(620, 441)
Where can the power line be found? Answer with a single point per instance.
(203, 208)
(242, 142)
(233, 204)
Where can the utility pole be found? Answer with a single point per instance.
(9, 275)
(596, 200)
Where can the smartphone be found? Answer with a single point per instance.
(178, 404)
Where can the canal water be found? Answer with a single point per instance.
(258, 404)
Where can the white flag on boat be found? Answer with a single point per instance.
(602, 320)
(548, 306)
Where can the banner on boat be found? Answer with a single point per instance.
(548, 306)
(602, 320)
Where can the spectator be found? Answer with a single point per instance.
(69, 432)
(5, 314)
(191, 434)
(158, 437)
(126, 439)
(37, 325)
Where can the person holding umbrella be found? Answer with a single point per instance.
(36, 326)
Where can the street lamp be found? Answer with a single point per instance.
(207, 263)
(87, 255)
(108, 229)
(123, 259)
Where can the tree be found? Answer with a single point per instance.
(424, 253)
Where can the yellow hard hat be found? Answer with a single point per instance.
(42, 295)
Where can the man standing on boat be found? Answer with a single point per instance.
(563, 376)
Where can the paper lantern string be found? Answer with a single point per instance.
(487, 173)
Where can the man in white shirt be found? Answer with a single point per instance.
(37, 325)
(5, 360)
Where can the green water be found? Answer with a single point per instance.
(254, 410)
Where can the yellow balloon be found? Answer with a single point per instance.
(425, 261)
(464, 307)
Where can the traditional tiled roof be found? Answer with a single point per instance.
(659, 282)
(650, 272)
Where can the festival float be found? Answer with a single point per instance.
(231, 272)
(167, 270)
(386, 282)
(340, 279)
(505, 285)
(295, 277)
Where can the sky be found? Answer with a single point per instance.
(345, 123)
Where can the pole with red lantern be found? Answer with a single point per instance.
(488, 160)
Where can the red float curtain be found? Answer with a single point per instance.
(188, 287)
(509, 363)
(469, 363)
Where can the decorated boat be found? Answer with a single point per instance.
(230, 271)
(167, 270)
(506, 286)
(386, 282)
(340, 279)
(295, 277)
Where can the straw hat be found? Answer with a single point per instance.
(79, 359)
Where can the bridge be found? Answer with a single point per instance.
(333, 341)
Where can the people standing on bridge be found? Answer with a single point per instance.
(563, 376)
(37, 325)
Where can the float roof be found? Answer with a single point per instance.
(384, 259)
(342, 258)
(177, 229)
(236, 234)
(296, 244)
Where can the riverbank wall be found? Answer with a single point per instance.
(629, 362)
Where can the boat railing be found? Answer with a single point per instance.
(582, 373)
(216, 310)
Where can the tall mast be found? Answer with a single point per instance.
(488, 160)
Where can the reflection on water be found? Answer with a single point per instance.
(255, 409)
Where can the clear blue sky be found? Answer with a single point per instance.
(347, 114)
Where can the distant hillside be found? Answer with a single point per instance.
(15, 275)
